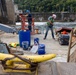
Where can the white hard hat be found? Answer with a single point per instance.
(54, 16)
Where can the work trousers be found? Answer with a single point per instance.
(30, 25)
(47, 29)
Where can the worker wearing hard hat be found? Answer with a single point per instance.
(50, 26)
(29, 18)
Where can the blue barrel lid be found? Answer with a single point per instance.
(41, 46)
(36, 38)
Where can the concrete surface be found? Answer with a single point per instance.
(51, 46)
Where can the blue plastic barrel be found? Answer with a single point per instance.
(36, 41)
(41, 49)
(24, 36)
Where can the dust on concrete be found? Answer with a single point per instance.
(51, 46)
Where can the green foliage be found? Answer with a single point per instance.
(47, 5)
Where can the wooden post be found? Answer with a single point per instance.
(70, 43)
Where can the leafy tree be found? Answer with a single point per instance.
(47, 5)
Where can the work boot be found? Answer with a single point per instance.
(54, 38)
(44, 38)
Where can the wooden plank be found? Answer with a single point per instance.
(72, 45)
(70, 42)
(73, 57)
